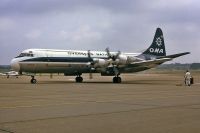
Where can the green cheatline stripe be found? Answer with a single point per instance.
(59, 59)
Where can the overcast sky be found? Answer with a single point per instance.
(126, 25)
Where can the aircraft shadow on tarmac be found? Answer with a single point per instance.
(150, 82)
(137, 81)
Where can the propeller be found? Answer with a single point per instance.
(112, 58)
(91, 64)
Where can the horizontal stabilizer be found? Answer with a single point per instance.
(175, 55)
(150, 63)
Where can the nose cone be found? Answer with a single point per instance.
(15, 65)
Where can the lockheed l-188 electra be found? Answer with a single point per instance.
(77, 62)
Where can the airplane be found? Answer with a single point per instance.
(77, 62)
(10, 73)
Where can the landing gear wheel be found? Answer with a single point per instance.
(79, 79)
(117, 80)
(33, 80)
(114, 79)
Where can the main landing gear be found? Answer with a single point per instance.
(33, 80)
(79, 79)
(117, 79)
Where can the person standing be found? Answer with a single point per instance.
(188, 78)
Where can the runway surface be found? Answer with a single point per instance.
(142, 103)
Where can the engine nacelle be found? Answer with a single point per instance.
(123, 59)
(100, 63)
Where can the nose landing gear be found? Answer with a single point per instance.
(116, 79)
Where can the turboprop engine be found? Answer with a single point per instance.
(112, 60)
(116, 59)
(96, 62)
(100, 63)
(121, 60)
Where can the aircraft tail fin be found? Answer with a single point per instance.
(157, 48)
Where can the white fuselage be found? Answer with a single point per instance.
(61, 61)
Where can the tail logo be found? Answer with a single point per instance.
(157, 47)
(159, 41)
(156, 50)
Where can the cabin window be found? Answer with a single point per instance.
(25, 55)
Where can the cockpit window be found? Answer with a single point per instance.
(25, 55)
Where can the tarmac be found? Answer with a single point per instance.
(142, 103)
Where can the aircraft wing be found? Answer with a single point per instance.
(149, 63)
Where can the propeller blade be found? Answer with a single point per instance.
(117, 55)
(91, 64)
(91, 61)
(89, 54)
(108, 52)
(113, 57)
